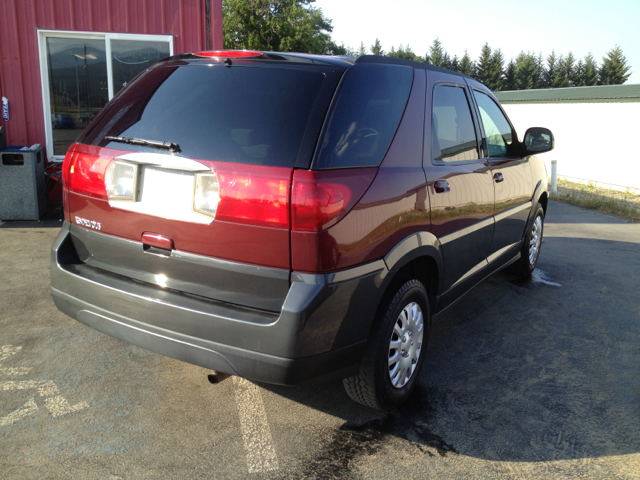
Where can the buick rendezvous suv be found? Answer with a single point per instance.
(294, 218)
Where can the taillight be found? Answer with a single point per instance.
(84, 173)
(255, 199)
(321, 198)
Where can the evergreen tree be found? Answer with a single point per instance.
(509, 77)
(566, 71)
(482, 64)
(454, 64)
(436, 54)
(537, 73)
(578, 75)
(489, 68)
(466, 65)
(362, 50)
(405, 53)
(376, 48)
(496, 67)
(614, 69)
(550, 73)
(562, 75)
(410, 55)
(349, 51)
(446, 61)
(526, 71)
(590, 75)
(572, 69)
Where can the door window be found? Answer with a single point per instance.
(497, 129)
(453, 135)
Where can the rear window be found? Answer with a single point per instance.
(364, 116)
(251, 115)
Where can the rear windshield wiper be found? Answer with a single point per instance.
(172, 147)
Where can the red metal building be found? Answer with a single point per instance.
(62, 60)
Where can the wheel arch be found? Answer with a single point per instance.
(539, 196)
(418, 256)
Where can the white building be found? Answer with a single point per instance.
(594, 127)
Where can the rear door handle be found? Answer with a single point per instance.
(498, 177)
(441, 186)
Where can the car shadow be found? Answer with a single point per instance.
(525, 371)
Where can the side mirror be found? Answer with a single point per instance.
(538, 140)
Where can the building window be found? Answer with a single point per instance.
(81, 72)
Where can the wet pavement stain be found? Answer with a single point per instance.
(353, 441)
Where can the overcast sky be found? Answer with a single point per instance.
(579, 26)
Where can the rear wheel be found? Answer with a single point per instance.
(395, 353)
(531, 246)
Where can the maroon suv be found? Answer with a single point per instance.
(294, 218)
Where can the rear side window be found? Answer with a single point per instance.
(249, 115)
(364, 116)
(497, 130)
(453, 136)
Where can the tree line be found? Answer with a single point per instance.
(527, 71)
(297, 26)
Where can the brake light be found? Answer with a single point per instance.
(322, 198)
(84, 173)
(255, 199)
(229, 53)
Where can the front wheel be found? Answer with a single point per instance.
(531, 246)
(395, 353)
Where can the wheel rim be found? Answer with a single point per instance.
(535, 241)
(405, 344)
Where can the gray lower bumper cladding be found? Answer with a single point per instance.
(319, 334)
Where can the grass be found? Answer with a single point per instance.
(622, 204)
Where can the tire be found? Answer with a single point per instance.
(530, 252)
(402, 322)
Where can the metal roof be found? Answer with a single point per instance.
(595, 94)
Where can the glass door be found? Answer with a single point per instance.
(77, 87)
(82, 71)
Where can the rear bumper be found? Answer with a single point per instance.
(319, 334)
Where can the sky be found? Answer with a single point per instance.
(579, 26)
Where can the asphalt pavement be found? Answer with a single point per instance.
(531, 379)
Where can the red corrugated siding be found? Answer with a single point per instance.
(19, 59)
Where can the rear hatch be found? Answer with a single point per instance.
(206, 209)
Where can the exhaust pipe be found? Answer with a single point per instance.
(217, 377)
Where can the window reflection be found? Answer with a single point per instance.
(130, 57)
(77, 86)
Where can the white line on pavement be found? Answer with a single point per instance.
(261, 456)
(27, 409)
(58, 406)
(7, 350)
(46, 388)
(15, 371)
